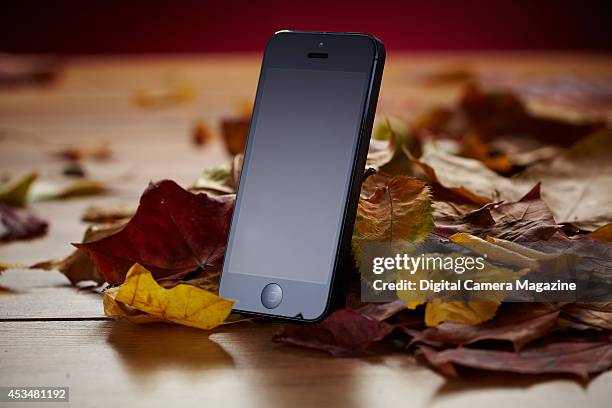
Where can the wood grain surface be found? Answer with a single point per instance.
(52, 334)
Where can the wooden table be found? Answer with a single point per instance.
(52, 334)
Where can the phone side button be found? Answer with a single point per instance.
(271, 296)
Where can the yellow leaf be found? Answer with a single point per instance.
(183, 304)
(55, 189)
(118, 310)
(16, 193)
(414, 304)
(494, 251)
(470, 312)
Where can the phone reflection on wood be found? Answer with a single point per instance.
(303, 165)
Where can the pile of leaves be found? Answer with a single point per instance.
(487, 169)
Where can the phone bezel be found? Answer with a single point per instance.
(352, 52)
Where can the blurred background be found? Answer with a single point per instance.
(119, 27)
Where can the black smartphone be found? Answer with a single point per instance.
(302, 171)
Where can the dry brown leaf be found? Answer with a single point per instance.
(201, 134)
(517, 323)
(578, 185)
(594, 315)
(577, 355)
(235, 132)
(78, 266)
(392, 210)
(107, 214)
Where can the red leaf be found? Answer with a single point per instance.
(580, 356)
(517, 323)
(344, 333)
(173, 233)
(595, 315)
(526, 220)
(19, 223)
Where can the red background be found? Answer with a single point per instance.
(84, 27)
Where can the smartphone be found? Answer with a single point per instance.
(303, 166)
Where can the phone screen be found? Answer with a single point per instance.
(296, 174)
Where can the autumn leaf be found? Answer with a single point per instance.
(392, 149)
(473, 147)
(235, 131)
(200, 135)
(15, 192)
(44, 190)
(517, 323)
(578, 184)
(391, 210)
(595, 315)
(78, 266)
(345, 332)
(471, 312)
(577, 355)
(19, 223)
(570, 199)
(602, 234)
(382, 311)
(220, 180)
(499, 113)
(107, 214)
(174, 232)
(183, 304)
(526, 220)
(467, 178)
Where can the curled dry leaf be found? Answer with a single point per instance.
(107, 214)
(595, 315)
(493, 114)
(391, 210)
(577, 355)
(392, 149)
(478, 307)
(467, 178)
(382, 311)
(493, 252)
(474, 148)
(15, 193)
(44, 190)
(570, 199)
(517, 323)
(19, 223)
(578, 184)
(183, 304)
(235, 132)
(174, 232)
(78, 266)
(526, 220)
(344, 333)
(200, 135)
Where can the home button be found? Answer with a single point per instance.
(271, 296)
